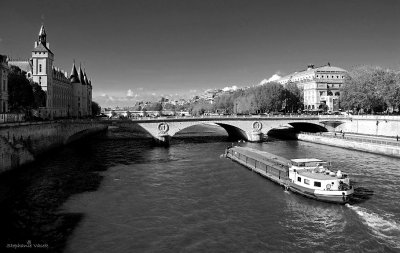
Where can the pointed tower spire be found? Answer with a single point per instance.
(81, 76)
(74, 74)
(42, 35)
(85, 76)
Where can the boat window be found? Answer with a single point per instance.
(301, 164)
(317, 184)
(299, 179)
(306, 181)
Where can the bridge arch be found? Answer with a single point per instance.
(308, 127)
(234, 132)
(248, 128)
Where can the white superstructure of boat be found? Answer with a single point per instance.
(313, 178)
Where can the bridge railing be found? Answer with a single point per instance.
(372, 140)
(266, 116)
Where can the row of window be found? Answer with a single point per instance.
(332, 76)
(307, 181)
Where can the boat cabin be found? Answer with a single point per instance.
(307, 163)
(315, 174)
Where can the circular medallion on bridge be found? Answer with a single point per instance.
(257, 125)
(163, 127)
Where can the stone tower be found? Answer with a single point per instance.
(42, 64)
(76, 92)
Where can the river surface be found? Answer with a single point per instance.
(119, 193)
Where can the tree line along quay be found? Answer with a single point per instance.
(362, 90)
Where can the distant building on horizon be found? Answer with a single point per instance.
(66, 96)
(4, 70)
(320, 85)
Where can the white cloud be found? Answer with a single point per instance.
(273, 78)
(232, 88)
(129, 93)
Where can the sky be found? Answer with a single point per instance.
(143, 49)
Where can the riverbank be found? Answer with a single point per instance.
(22, 143)
(371, 144)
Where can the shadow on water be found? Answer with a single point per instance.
(361, 194)
(31, 197)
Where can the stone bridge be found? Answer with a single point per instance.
(250, 128)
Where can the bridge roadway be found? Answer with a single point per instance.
(250, 128)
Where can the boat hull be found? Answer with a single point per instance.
(326, 196)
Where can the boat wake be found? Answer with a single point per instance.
(384, 228)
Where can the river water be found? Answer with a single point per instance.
(119, 193)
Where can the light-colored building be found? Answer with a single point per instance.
(66, 96)
(4, 70)
(320, 85)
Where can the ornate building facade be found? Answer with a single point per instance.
(320, 85)
(66, 96)
(4, 69)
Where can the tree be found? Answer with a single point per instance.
(245, 104)
(154, 107)
(39, 96)
(200, 107)
(294, 97)
(20, 92)
(96, 109)
(169, 107)
(372, 89)
(269, 97)
(128, 114)
(323, 106)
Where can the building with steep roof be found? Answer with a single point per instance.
(321, 85)
(66, 96)
(4, 70)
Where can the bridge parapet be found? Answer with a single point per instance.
(242, 126)
(247, 128)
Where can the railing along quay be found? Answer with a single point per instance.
(354, 138)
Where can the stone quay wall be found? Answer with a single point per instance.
(389, 150)
(21, 143)
(373, 125)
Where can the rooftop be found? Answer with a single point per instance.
(316, 175)
(305, 160)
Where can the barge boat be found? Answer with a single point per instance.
(309, 177)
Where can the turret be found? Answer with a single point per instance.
(74, 75)
(42, 35)
(81, 76)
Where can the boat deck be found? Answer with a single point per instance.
(264, 157)
(315, 175)
(273, 167)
